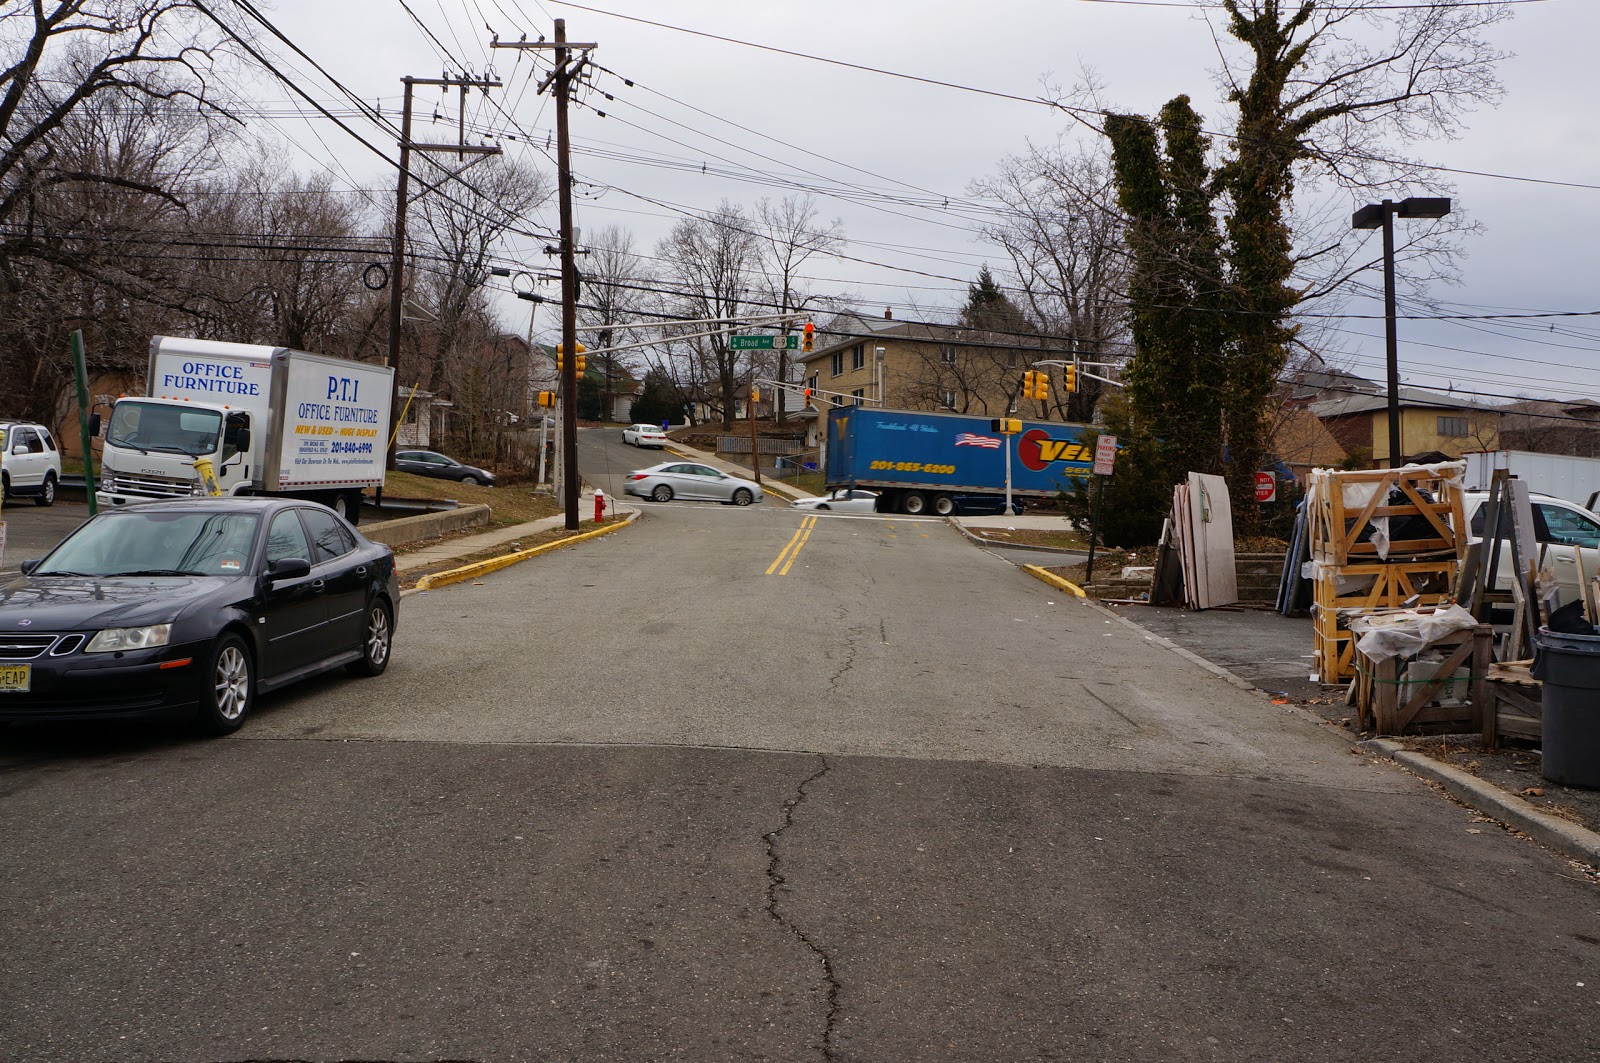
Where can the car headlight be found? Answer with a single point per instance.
(113, 639)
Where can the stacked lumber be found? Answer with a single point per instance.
(1379, 539)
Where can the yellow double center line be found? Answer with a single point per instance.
(791, 551)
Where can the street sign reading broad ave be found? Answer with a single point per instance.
(763, 343)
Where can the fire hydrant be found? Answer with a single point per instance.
(599, 506)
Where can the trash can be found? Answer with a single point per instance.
(1569, 667)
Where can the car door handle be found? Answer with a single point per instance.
(318, 584)
(361, 570)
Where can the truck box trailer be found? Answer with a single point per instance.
(1572, 478)
(270, 420)
(942, 462)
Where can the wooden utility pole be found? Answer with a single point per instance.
(562, 78)
(755, 444)
(402, 200)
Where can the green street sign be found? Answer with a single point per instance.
(764, 343)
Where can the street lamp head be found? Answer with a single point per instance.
(1424, 207)
(500, 271)
(1368, 217)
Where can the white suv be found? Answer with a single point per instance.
(1563, 531)
(30, 464)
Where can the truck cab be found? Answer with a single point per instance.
(152, 445)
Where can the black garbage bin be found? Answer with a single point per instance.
(1569, 667)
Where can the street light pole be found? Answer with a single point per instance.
(1381, 216)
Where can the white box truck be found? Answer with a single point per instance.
(269, 419)
(1577, 480)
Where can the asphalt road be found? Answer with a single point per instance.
(32, 530)
(739, 784)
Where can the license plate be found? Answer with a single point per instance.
(15, 678)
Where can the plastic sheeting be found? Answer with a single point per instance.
(1380, 636)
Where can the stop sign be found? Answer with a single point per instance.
(1266, 487)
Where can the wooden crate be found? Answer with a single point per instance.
(1385, 707)
(1434, 496)
(1395, 584)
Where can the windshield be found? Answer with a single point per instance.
(166, 429)
(123, 544)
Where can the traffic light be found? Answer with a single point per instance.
(755, 394)
(579, 364)
(809, 404)
(808, 340)
(1006, 426)
(547, 398)
(1069, 379)
(1041, 386)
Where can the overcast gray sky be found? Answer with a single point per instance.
(673, 142)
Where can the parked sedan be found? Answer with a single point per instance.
(690, 481)
(842, 500)
(432, 463)
(645, 435)
(191, 609)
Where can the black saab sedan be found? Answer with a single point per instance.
(191, 609)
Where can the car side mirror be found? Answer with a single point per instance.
(288, 568)
(94, 424)
(30, 564)
(240, 439)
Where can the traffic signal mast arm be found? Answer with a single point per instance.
(815, 393)
(763, 320)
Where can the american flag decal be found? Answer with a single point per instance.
(971, 439)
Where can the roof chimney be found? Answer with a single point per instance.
(888, 314)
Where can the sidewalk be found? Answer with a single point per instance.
(448, 551)
(1272, 654)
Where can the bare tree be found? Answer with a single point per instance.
(711, 264)
(788, 236)
(105, 108)
(612, 295)
(1063, 237)
(453, 241)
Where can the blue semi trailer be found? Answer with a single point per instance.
(945, 462)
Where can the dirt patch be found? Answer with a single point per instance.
(1057, 540)
(510, 504)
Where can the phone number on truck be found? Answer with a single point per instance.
(913, 466)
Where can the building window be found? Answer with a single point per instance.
(948, 398)
(1011, 359)
(860, 395)
(838, 362)
(812, 383)
(858, 356)
(1454, 426)
(947, 355)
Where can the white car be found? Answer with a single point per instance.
(842, 500)
(1563, 531)
(644, 435)
(687, 480)
(30, 464)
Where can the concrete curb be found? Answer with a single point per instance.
(402, 530)
(1054, 580)
(494, 564)
(1580, 843)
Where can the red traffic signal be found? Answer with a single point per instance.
(809, 338)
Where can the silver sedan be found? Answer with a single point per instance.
(686, 480)
(843, 500)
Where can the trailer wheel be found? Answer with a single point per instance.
(914, 502)
(944, 505)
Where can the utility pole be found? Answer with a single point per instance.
(562, 78)
(402, 201)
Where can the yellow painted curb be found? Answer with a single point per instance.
(1054, 580)
(494, 564)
